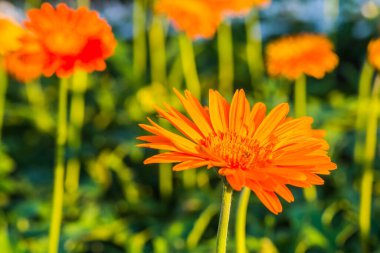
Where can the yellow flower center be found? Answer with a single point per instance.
(238, 151)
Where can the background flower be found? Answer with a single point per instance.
(374, 53)
(194, 17)
(10, 34)
(72, 39)
(308, 54)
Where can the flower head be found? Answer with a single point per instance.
(27, 63)
(10, 34)
(237, 7)
(72, 39)
(194, 17)
(264, 153)
(374, 53)
(308, 54)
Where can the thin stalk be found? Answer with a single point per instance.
(59, 170)
(241, 218)
(192, 83)
(139, 40)
(83, 3)
(77, 111)
(189, 66)
(221, 239)
(365, 82)
(368, 174)
(3, 91)
(300, 94)
(254, 50)
(157, 51)
(226, 59)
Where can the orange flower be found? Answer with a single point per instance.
(237, 7)
(194, 17)
(374, 53)
(264, 153)
(72, 39)
(10, 33)
(308, 54)
(28, 62)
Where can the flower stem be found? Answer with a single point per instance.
(3, 91)
(221, 239)
(226, 59)
(189, 65)
(59, 170)
(368, 174)
(300, 96)
(139, 40)
(241, 217)
(365, 82)
(300, 110)
(254, 51)
(77, 111)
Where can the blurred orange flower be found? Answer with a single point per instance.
(374, 53)
(237, 7)
(194, 17)
(10, 33)
(264, 153)
(308, 54)
(28, 62)
(72, 39)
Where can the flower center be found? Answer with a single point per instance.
(239, 152)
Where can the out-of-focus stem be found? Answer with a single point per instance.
(300, 105)
(3, 91)
(365, 82)
(77, 111)
(157, 51)
(300, 96)
(59, 170)
(189, 66)
(226, 59)
(254, 50)
(241, 218)
(139, 41)
(84, 3)
(369, 156)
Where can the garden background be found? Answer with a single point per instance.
(122, 205)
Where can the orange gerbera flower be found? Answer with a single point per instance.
(374, 53)
(237, 7)
(72, 39)
(28, 62)
(10, 33)
(264, 153)
(194, 17)
(308, 54)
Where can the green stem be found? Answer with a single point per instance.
(77, 111)
(368, 174)
(226, 59)
(83, 3)
(139, 41)
(254, 51)
(241, 218)
(3, 91)
(157, 51)
(59, 170)
(189, 65)
(365, 82)
(221, 239)
(300, 96)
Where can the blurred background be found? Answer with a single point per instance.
(122, 205)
